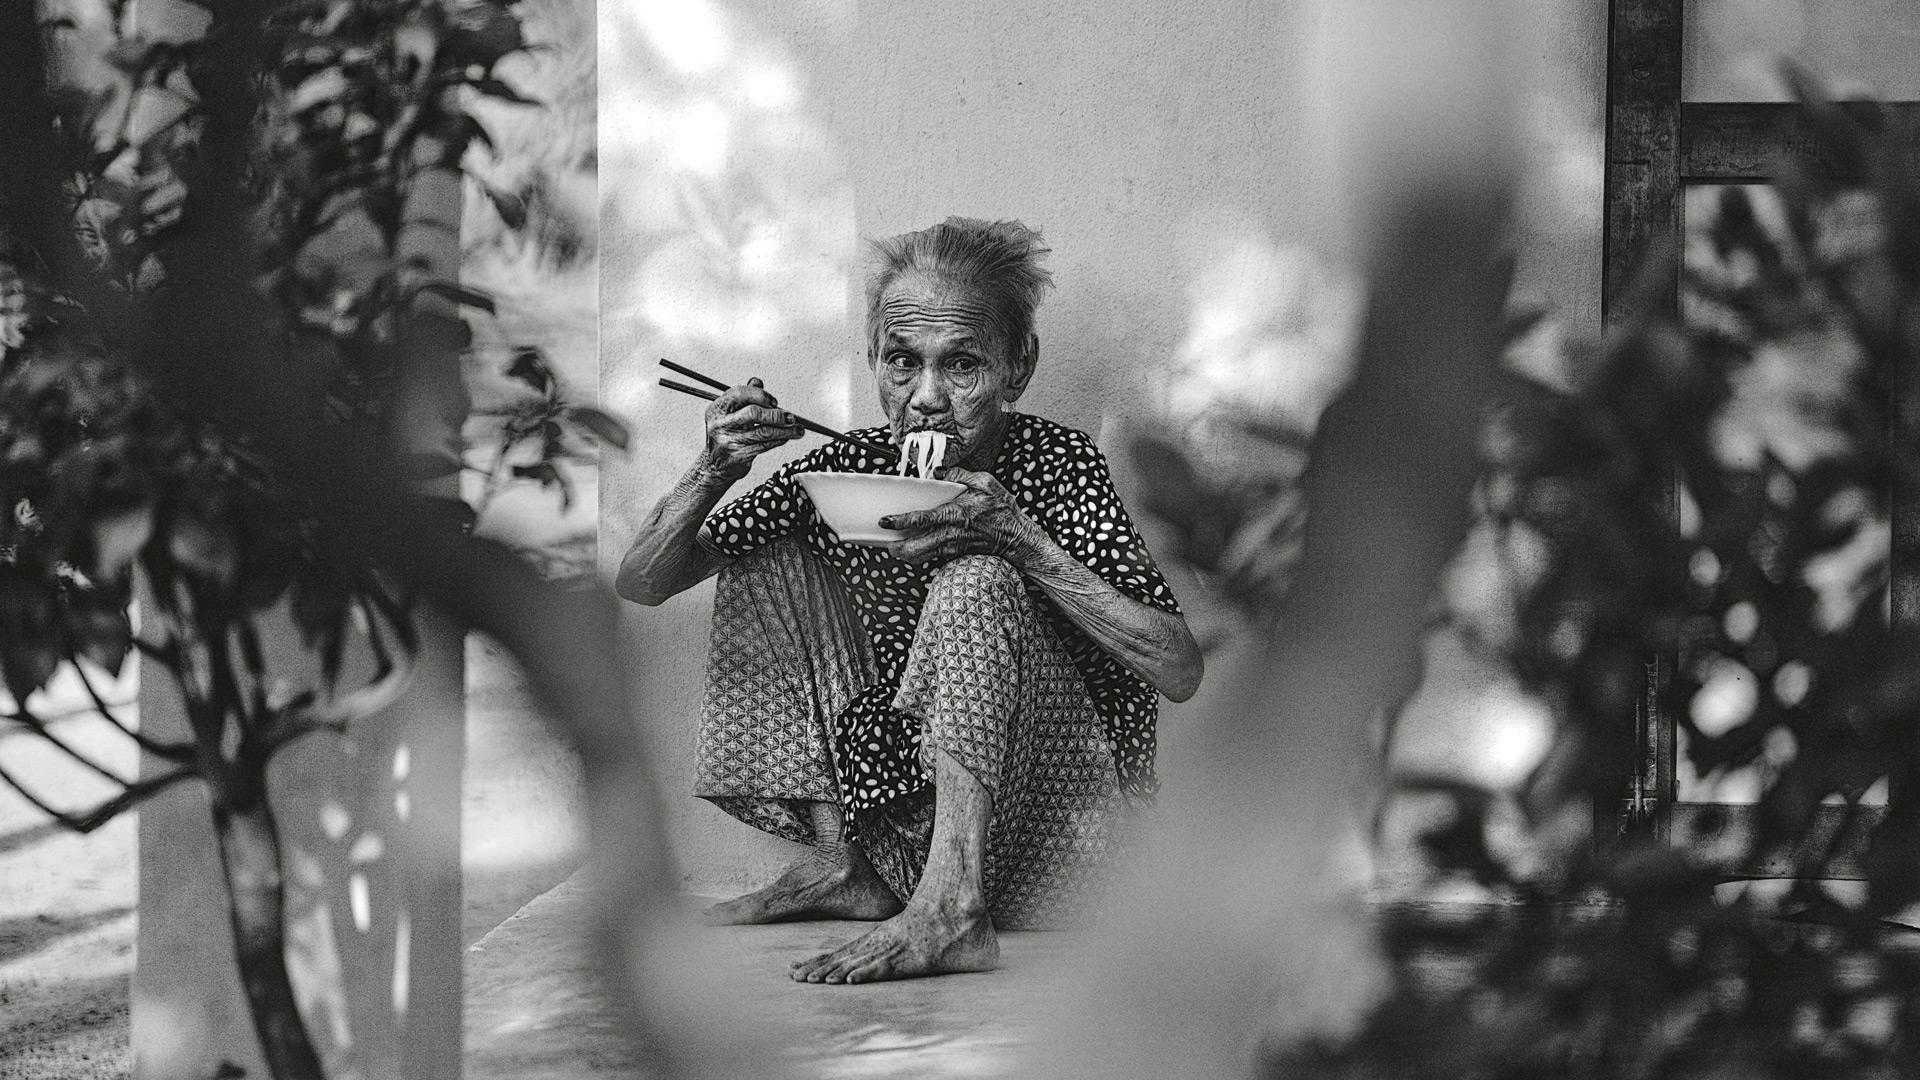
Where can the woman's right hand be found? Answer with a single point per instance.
(744, 423)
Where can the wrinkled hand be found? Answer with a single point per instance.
(743, 424)
(981, 520)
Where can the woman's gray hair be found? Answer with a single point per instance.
(999, 259)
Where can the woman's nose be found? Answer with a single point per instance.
(929, 394)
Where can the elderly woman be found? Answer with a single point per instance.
(963, 718)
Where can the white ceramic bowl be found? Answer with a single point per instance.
(852, 504)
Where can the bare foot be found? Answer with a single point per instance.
(822, 885)
(927, 938)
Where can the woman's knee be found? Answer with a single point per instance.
(972, 582)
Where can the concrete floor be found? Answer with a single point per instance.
(534, 1009)
(67, 918)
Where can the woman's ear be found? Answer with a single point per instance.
(1024, 364)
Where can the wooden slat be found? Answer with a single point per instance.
(1643, 151)
(1643, 221)
(1742, 142)
(1719, 833)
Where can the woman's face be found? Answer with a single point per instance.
(941, 366)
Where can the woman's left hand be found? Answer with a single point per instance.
(981, 520)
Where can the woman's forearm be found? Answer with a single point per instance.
(666, 558)
(1153, 644)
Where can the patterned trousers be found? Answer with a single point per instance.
(986, 681)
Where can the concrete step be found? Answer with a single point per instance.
(536, 1009)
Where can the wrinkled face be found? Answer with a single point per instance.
(940, 365)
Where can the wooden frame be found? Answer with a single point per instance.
(1656, 145)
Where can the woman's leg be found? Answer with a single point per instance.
(788, 652)
(833, 880)
(1025, 797)
(944, 927)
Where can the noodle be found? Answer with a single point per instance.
(922, 452)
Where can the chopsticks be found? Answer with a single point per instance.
(818, 429)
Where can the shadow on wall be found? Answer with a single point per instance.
(732, 221)
(530, 240)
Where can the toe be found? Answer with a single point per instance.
(867, 972)
(803, 969)
(834, 970)
(850, 959)
(816, 969)
(876, 966)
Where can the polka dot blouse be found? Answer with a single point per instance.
(1060, 480)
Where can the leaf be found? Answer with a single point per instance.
(459, 294)
(542, 471)
(483, 33)
(132, 54)
(530, 366)
(474, 131)
(26, 666)
(202, 550)
(117, 540)
(323, 87)
(265, 579)
(511, 208)
(1459, 843)
(320, 611)
(102, 635)
(601, 425)
(495, 88)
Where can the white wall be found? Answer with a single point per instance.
(1158, 146)
(1734, 47)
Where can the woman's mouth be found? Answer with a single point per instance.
(953, 435)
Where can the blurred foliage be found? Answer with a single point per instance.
(321, 142)
(1718, 491)
(1232, 505)
(544, 422)
(102, 477)
(103, 482)
(364, 102)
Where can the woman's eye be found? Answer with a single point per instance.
(964, 365)
(899, 360)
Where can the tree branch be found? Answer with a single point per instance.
(392, 675)
(255, 658)
(225, 683)
(179, 753)
(38, 727)
(165, 654)
(90, 820)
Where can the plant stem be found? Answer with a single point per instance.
(250, 855)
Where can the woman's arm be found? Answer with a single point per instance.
(666, 558)
(984, 520)
(1153, 644)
